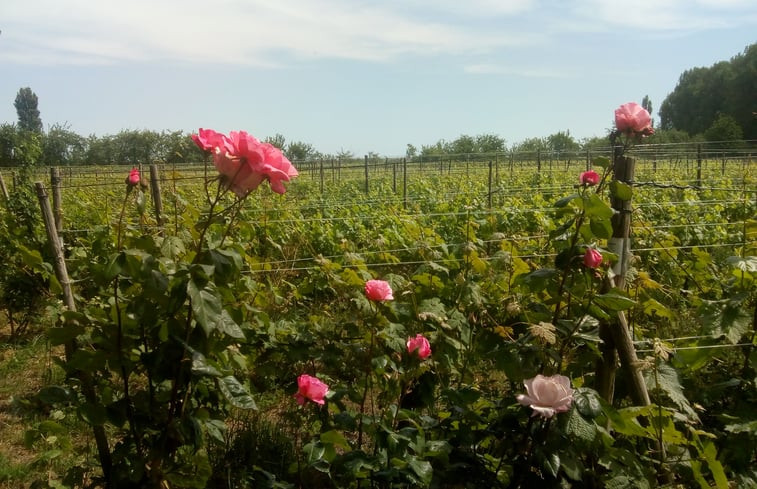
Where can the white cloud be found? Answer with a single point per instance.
(275, 33)
(231, 31)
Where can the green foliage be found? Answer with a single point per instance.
(28, 113)
(702, 94)
(186, 328)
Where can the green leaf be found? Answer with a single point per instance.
(711, 455)
(614, 301)
(587, 402)
(746, 264)
(200, 365)
(216, 429)
(236, 393)
(600, 227)
(666, 379)
(61, 336)
(209, 313)
(601, 162)
(422, 469)
(551, 463)
(567, 200)
(572, 467)
(594, 206)
(54, 394)
(335, 438)
(621, 190)
(578, 428)
(93, 414)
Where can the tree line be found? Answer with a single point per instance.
(716, 103)
(719, 102)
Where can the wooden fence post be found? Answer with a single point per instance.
(366, 174)
(616, 335)
(404, 183)
(699, 165)
(55, 184)
(3, 188)
(490, 183)
(320, 162)
(155, 192)
(61, 273)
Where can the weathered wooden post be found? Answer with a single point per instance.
(616, 334)
(61, 273)
(55, 184)
(157, 199)
(3, 188)
(366, 174)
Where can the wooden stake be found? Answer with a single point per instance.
(61, 273)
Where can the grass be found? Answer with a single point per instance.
(26, 365)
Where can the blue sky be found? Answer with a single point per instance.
(358, 75)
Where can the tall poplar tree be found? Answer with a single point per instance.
(28, 113)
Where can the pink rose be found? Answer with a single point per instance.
(632, 118)
(592, 258)
(310, 389)
(589, 178)
(547, 395)
(133, 178)
(244, 162)
(378, 290)
(421, 344)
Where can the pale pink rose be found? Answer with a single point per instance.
(632, 118)
(244, 162)
(547, 395)
(310, 389)
(134, 177)
(419, 344)
(592, 258)
(589, 178)
(378, 290)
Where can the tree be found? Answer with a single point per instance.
(702, 94)
(647, 104)
(300, 151)
(60, 146)
(277, 140)
(411, 151)
(26, 108)
(490, 143)
(562, 141)
(724, 130)
(8, 136)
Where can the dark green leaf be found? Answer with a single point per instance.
(93, 414)
(566, 200)
(422, 469)
(587, 403)
(236, 393)
(200, 365)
